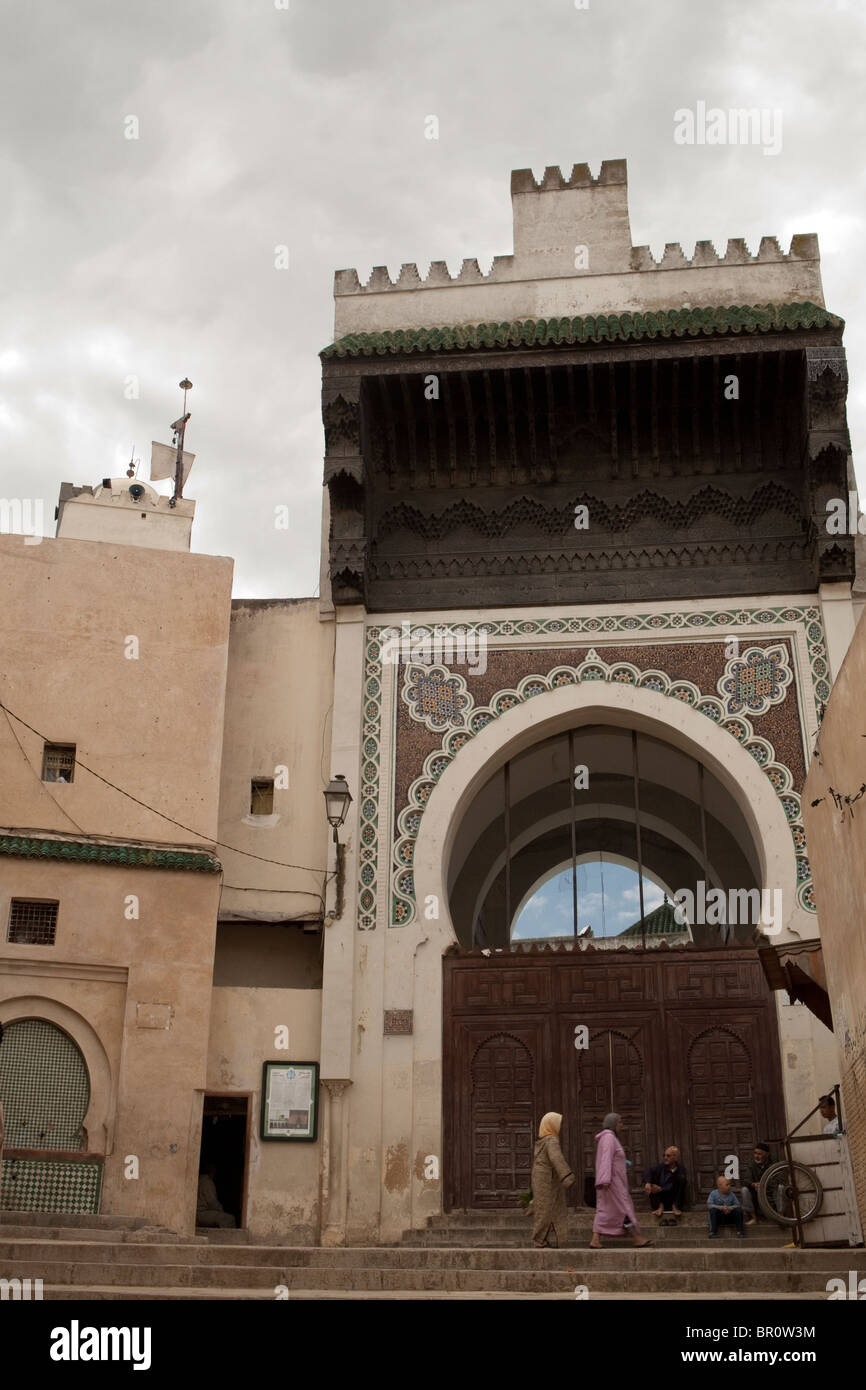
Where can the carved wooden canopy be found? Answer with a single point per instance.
(679, 464)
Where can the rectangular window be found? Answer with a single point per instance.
(58, 762)
(262, 796)
(32, 923)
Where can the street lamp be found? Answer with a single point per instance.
(338, 799)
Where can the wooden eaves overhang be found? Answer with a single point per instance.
(531, 410)
(798, 967)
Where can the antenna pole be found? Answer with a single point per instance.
(179, 428)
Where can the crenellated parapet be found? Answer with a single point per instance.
(573, 254)
(803, 248)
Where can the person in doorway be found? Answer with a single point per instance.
(551, 1176)
(827, 1107)
(665, 1184)
(614, 1209)
(209, 1208)
(722, 1205)
(755, 1170)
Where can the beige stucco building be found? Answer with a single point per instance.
(833, 804)
(595, 487)
(116, 656)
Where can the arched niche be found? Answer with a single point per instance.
(98, 1120)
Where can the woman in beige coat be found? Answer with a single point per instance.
(551, 1176)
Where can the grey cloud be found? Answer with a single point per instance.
(262, 127)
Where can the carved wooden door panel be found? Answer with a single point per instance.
(611, 1075)
(719, 1071)
(502, 1121)
(682, 1044)
(723, 1062)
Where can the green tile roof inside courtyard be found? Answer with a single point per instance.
(661, 922)
(594, 328)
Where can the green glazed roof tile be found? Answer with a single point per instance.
(594, 328)
(660, 922)
(129, 856)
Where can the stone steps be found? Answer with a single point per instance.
(313, 1271)
(82, 1221)
(362, 1278)
(578, 1217)
(719, 1255)
(461, 1255)
(513, 1227)
(114, 1294)
(579, 1240)
(215, 1236)
(147, 1235)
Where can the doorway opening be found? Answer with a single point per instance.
(224, 1160)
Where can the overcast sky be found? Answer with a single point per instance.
(260, 126)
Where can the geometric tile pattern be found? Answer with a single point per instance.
(39, 1184)
(754, 681)
(44, 1087)
(435, 697)
(672, 625)
(592, 668)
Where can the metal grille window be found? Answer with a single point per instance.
(262, 796)
(44, 1087)
(32, 923)
(58, 762)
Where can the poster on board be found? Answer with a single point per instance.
(290, 1100)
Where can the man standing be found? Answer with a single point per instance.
(665, 1184)
(722, 1205)
(755, 1170)
(827, 1107)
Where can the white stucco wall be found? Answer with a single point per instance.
(393, 1107)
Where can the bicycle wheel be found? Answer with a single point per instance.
(778, 1186)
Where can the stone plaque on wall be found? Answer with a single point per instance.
(398, 1021)
(153, 1015)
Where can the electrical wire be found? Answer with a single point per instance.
(236, 888)
(305, 868)
(44, 785)
(324, 727)
(248, 888)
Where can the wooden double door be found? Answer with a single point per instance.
(682, 1044)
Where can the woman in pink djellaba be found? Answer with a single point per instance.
(614, 1209)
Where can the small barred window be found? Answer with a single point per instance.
(32, 923)
(58, 762)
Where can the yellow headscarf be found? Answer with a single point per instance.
(550, 1124)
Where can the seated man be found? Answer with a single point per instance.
(827, 1106)
(755, 1170)
(665, 1184)
(209, 1208)
(722, 1205)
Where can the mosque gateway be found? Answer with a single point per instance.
(579, 616)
